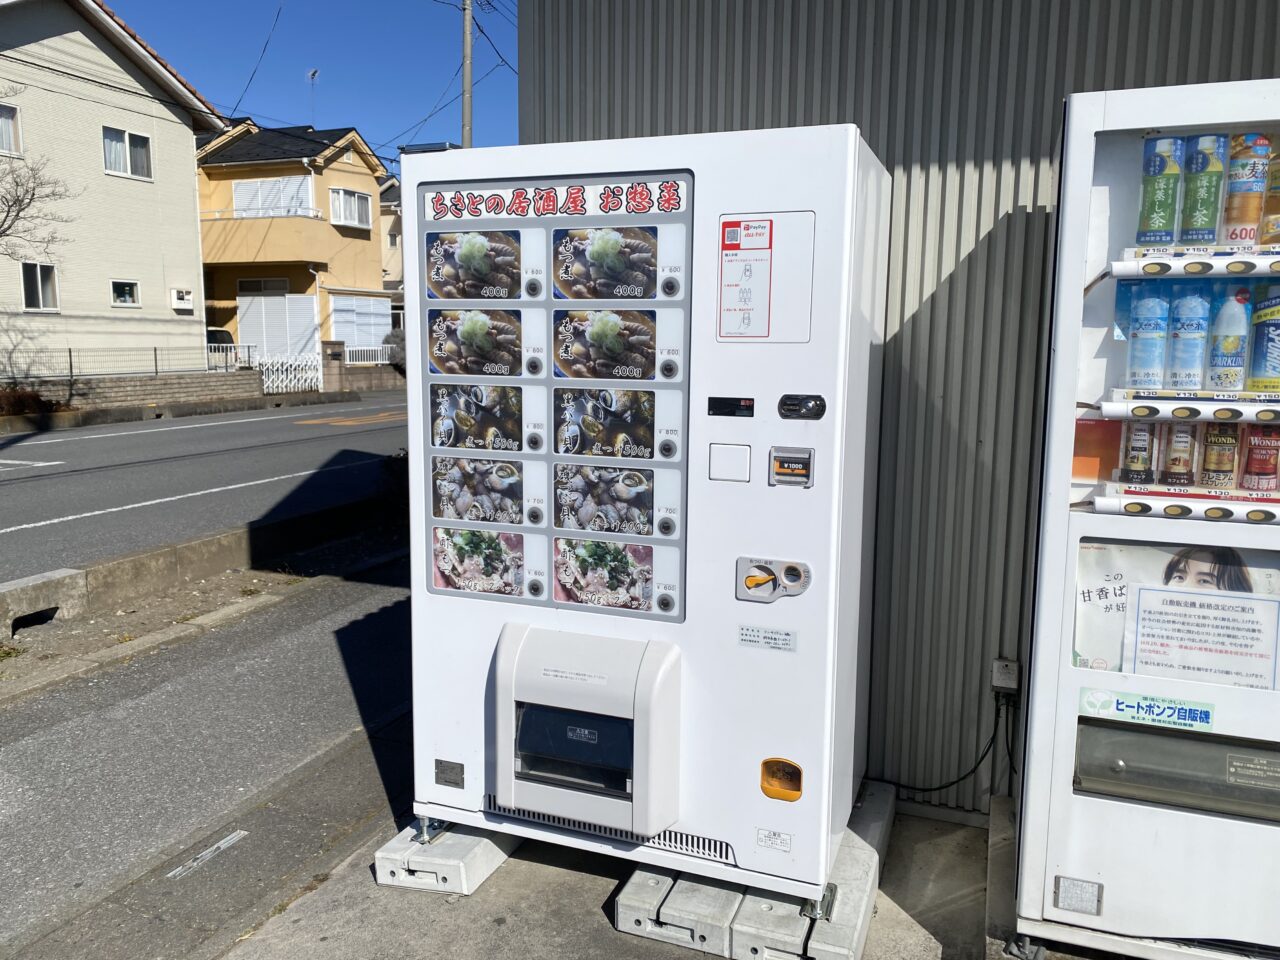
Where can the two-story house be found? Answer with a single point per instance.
(292, 237)
(89, 107)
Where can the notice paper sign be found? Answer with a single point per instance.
(1213, 636)
(746, 275)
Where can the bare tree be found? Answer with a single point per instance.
(29, 196)
(28, 219)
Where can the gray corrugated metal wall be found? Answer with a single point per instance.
(962, 101)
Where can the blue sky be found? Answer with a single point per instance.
(396, 61)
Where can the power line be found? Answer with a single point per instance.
(266, 43)
(490, 6)
(454, 99)
(446, 89)
(485, 33)
(187, 108)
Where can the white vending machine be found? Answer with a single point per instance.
(1151, 810)
(644, 379)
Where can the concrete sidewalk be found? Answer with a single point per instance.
(544, 903)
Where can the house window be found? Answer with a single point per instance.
(349, 208)
(40, 286)
(276, 197)
(270, 285)
(124, 293)
(393, 239)
(128, 154)
(9, 140)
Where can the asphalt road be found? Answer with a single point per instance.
(105, 776)
(73, 497)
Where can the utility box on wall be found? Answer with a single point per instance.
(644, 386)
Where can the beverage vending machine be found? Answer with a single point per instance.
(644, 379)
(1150, 823)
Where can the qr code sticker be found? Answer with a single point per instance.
(733, 235)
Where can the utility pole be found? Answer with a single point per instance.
(466, 73)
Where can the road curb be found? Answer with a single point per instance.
(105, 656)
(99, 416)
(114, 582)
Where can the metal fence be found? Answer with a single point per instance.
(290, 373)
(369, 355)
(52, 364)
(230, 356)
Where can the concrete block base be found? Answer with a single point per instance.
(724, 920)
(456, 860)
(64, 589)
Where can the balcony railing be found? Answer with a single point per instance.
(369, 355)
(259, 213)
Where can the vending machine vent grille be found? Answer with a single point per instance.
(688, 844)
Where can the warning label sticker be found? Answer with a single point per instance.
(746, 278)
(766, 638)
(1253, 771)
(774, 840)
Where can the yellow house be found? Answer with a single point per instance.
(292, 237)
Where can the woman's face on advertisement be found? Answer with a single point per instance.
(1196, 573)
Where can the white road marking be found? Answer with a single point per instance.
(197, 426)
(186, 496)
(19, 464)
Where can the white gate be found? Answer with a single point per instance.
(290, 374)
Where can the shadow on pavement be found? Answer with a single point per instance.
(365, 519)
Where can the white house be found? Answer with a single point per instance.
(85, 96)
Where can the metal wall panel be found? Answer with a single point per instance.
(962, 101)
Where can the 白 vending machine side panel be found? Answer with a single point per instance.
(1150, 816)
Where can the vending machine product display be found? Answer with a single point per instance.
(644, 382)
(1150, 821)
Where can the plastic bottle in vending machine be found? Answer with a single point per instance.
(1246, 187)
(1229, 341)
(1188, 336)
(1204, 172)
(1148, 335)
(1264, 353)
(1269, 232)
(1161, 183)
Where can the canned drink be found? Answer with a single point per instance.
(1262, 455)
(1220, 456)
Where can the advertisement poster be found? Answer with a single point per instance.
(485, 490)
(599, 574)
(606, 263)
(478, 561)
(476, 265)
(477, 342)
(606, 344)
(1205, 613)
